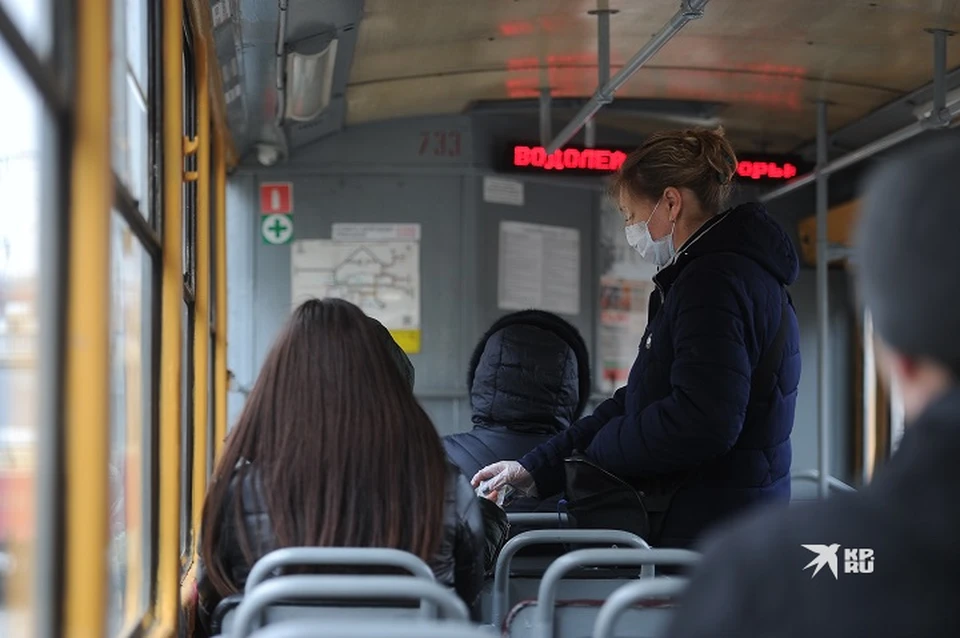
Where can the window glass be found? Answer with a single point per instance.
(32, 18)
(138, 138)
(189, 195)
(21, 111)
(137, 41)
(186, 430)
(131, 152)
(120, 151)
(130, 348)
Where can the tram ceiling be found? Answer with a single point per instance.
(765, 62)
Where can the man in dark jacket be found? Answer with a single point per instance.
(529, 379)
(883, 562)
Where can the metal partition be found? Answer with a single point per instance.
(286, 588)
(501, 577)
(631, 594)
(814, 477)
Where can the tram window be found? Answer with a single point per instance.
(186, 431)
(21, 116)
(212, 352)
(130, 383)
(189, 194)
(130, 125)
(137, 41)
(32, 19)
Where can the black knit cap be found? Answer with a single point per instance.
(909, 267)
(551, 323)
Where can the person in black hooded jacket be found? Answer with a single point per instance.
(333, 450)
(529, 379)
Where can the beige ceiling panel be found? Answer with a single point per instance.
(767, 110)
(766, 58)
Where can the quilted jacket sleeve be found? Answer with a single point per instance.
(545, 462)
(703, 415)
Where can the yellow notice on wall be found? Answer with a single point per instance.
(409, 340)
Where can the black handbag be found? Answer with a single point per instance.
(598, 499)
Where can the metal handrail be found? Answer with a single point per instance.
(358, 629)
(814, 476)
(542, 519)
(285, 588)
(547, 594)
(501, 575)
(318, 556)
(629, 595)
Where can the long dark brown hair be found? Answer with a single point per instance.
(343, 452)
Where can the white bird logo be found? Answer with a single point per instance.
(826, 555)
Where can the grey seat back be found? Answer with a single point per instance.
(507, 591)
(373, 557)
(545, 618)
(373, 629)
(344, 588)
(649, 621)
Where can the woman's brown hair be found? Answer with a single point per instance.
(699, 159)
(342, 452)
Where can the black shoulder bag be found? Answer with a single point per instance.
(597, 499)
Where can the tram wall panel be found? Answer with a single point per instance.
(393, 172)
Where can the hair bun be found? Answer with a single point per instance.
(697, 158)
(716, 152)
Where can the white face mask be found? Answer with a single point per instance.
(658, 252)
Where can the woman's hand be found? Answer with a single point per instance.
(505, 473)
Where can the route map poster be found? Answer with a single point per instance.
(381, 276)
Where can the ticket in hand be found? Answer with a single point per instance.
(502, 493)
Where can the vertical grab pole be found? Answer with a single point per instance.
(869, 399)
(823, 318)
(86, 420)
(603, 46)
(545, 123)
(603, 65)
(939, 116)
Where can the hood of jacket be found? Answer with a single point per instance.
(530, 372)
(747, 230)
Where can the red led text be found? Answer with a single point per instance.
(765, 170)
(593, 159)
(608, 161)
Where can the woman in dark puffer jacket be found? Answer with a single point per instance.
(331, 450)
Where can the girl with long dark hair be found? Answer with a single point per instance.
(332, 449)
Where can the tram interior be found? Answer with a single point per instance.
(427, 100)
(414, 125)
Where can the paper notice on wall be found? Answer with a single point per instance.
(539, 267)
(623, 320)
(375, 232)
(381, 277)
(499, 190)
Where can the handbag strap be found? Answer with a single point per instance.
(767, 372)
